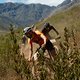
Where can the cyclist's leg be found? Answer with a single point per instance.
(50, 48)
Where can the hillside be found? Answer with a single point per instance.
(22, 14)
(67, 18)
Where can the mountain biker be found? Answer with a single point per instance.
(39, 38)
(47, 28)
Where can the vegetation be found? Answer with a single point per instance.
(14, 66)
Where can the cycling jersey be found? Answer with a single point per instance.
(38, 38)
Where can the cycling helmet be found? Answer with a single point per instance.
(27, 29)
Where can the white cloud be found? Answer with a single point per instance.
(9, 1)
(22, 1)
(47, 2)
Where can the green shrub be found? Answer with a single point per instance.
(66, 65)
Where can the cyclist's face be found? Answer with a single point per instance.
(29, 34)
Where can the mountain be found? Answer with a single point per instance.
(68, 3)
(75, 1)
(64, 3)
(22, 14)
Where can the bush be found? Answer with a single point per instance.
(66, 65)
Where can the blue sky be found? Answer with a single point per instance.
(47, 2)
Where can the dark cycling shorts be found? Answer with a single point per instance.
(49, 46)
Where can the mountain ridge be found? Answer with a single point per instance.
(24, 14)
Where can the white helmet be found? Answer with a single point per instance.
(27, 29)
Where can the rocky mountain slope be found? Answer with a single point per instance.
(21, 14)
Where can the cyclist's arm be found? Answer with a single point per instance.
(58, 37)
(55, 30)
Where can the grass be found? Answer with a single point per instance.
(66, 65)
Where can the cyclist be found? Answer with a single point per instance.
(39, 38)
(47, 28)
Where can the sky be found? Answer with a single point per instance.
(47, 2)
